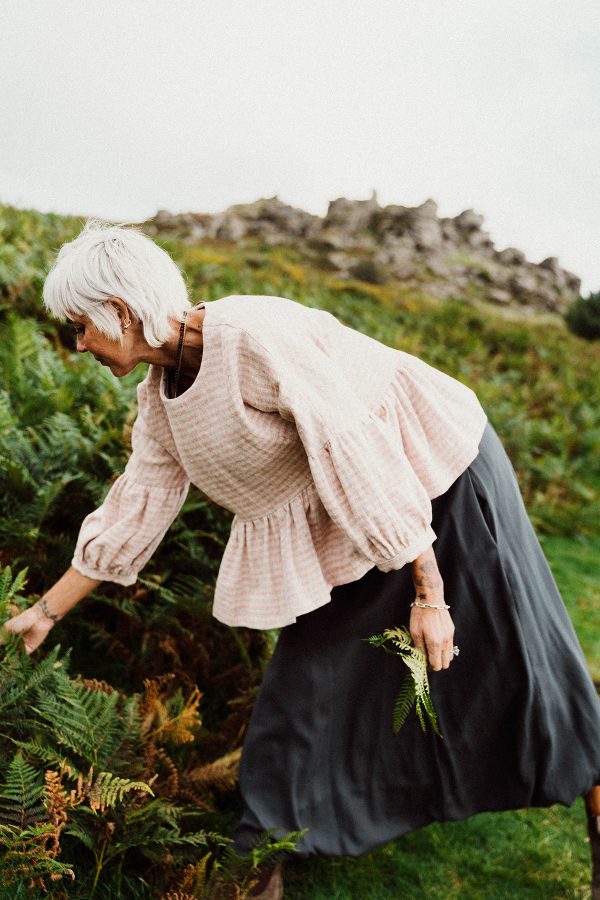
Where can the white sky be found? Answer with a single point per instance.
(121, 107)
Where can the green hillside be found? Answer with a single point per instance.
(154, 648)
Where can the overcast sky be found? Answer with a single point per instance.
(122, 107)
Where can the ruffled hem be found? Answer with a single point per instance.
(278, 567)
(283, 565)
(368, 503)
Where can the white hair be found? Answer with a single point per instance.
(107, 260)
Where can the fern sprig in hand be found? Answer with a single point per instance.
(415, 688)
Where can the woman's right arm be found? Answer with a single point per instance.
(35, 623)
(117, 539)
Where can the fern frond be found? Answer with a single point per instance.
(109, 789)
(419, 711)
(41, 751)
(403, 704)
(170, 719)
(21, 793)
(9, 588)
(86, 721)
(56, 802)
(415, 689)
(193, 881)
(426, 701)
(18, 683)
(222, 774)
(25, 856)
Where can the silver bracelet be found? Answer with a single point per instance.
(43, 605)
(429, 605)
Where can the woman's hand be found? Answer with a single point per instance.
(33, 624)
(432, 630)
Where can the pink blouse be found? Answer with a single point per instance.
(327, 445)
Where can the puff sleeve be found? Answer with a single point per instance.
(351, 431)
(367, 485)
(117, 539)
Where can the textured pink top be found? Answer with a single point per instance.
(326, 444)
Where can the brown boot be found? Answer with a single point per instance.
(592, 806)
(269, 886)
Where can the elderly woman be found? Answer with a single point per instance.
(344, 461)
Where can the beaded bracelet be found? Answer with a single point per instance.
(429, 605)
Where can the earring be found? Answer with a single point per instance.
(126, 325)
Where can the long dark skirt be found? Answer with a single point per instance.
(517, 709)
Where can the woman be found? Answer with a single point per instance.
(343, 460)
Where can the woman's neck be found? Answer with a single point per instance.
(191, 358)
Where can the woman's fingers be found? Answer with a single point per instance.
(432, 631)
(434, 654)
(447, 656)
(31, 626)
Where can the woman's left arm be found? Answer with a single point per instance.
(432, 630)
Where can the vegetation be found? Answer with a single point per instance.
(583, 317)
(118, 755)
(414, 691)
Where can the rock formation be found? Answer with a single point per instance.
(361, 239)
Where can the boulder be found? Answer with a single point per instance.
(510, 256)
(445, 255)
(468, 220)
(350, 216)
(499, 295)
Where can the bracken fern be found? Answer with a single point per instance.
(415, 688)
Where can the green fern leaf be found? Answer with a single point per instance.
(21, 794)
(403, 704)
(109, 789)
(84, 720)
(415, 688)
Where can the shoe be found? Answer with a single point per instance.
(270, 884)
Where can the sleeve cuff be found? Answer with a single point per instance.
(126, 579)
(410, 552)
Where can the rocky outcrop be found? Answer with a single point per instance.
(361, 239)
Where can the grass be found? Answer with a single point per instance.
(575, 567)
(532, 853)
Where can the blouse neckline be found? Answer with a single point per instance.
(201, 375)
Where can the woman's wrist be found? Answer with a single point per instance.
(64, 595)
(426, 576)
(46, 613)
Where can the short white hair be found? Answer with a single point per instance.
(116, 260)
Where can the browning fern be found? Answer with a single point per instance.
(56, 802)
(221, 775)
(24, 856)
(193, 881)
(174, 718)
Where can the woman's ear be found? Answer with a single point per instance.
(122, 310)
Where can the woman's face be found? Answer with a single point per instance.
(117, 357)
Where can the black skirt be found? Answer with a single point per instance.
(517, 709)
